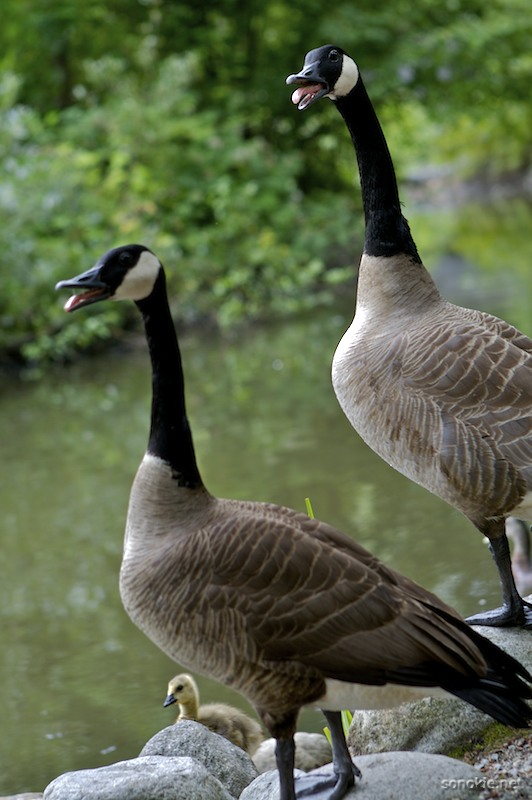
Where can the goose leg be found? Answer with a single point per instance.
(333, 784)
(344, 768)
(514, 612)
(284, 757)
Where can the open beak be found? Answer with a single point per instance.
(92, 289)
(169, 700)
(311, 86)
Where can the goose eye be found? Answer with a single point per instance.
(179, 688)
(125, 258)
(334, 55)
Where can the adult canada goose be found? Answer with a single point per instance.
(442, 393)
(281, 607)
(225, 720)
(518, 532)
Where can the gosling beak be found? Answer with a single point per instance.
(93, 289)
(311, 86)
(169, 700)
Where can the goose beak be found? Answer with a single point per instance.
(169, 700)
(311, 86)
(92, 289)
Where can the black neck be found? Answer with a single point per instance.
(170, 435)
(387, 231)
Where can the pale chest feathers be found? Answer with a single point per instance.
(367, 372)
(167, 577)
(161, 576)
(160, 509)
(394, 297)
(367, 391)
(171, 600)
(393, 288)
(368, 379)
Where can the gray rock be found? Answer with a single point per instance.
(432, 725)
(181, 762)
(429, 725)
(23, 796)
(388, 776)
(312, 750)
(265, 787)
(222, 759)
(148, 778)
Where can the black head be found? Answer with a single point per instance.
(123, 273)
(327, 72)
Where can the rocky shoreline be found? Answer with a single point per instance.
(435, 749)
(507, 768)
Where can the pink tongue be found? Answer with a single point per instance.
(76, 299)
(72, 302)
(304, 94)
(298, 94)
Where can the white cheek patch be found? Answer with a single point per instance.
(138, 283)
(347, 81)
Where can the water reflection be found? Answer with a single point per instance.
(80, 686)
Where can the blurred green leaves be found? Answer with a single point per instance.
(146, 162)
(169, 123)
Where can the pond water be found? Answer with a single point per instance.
(79, 685)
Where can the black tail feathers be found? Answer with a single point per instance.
(503, 691)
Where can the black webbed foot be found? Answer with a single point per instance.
(326, 784)
(519, 616)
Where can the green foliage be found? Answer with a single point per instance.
(471, 67)
(50, 224)
(494, 736)
(168, 123)
(222, 209)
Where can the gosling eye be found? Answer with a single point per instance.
(179, 688)
(334, 55)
